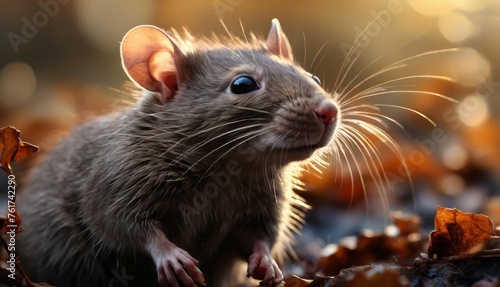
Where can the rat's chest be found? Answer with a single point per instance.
(214, 208)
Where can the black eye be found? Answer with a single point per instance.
(316, 79)
(243, 85)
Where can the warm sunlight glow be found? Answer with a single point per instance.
(452, 185)
(455, 157)
(98, 21)
(431, 7)
(456, 27)
(17, 84)
(470, 5)
(473, 110)
(470, 68)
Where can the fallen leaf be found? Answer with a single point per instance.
(378, 275)
(406, 223)
(401, 240)
(12, 148)
(487, 283)
(456, 232)
(294, 281)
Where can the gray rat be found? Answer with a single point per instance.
(188, 183)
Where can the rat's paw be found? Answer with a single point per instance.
(261, 266)
(176, 264)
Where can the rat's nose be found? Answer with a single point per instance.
(326, 111)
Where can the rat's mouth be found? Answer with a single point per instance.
(303, 146)
(323, 141)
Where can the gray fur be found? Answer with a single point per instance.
(206, 168)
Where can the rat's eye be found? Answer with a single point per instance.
(243, 85)
(316, 79)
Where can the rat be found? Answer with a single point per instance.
(189, 182)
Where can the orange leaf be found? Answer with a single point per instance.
(294, 281)
(378, 275)
(456, 232)
(12, 148)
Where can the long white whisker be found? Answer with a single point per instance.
(410, 110)
(356, 44)
(363, 145)
(366, 91)
(398, 92)
(376, 117)
(316, 56)
(345, 138)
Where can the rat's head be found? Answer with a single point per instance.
(229, 96)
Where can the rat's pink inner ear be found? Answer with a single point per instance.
(148, 59)
(163, 70)
(277, 42)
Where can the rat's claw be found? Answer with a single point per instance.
(177, 265)
(262, 266)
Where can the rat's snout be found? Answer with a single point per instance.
(326, 111)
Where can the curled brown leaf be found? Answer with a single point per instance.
(457, 231)
(12, 148)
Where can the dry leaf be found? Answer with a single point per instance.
(456, 232)
(294, 281)
(406, 223)
(12, 148)
(401, 240)
(489, 282)
(378, 275)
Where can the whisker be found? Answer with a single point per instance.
(340, 150)
(199, 133)
(345, 138)
(378, 59)
(410, 110)
(305, 50)
(317, 54)
(252, 135)
(437, 77)
(394, 147)
(226, 29)
(364, 144)
(351, 100)
(354, 47)
(321, 60)
(376, 117)
(193, 149)
(250, 109)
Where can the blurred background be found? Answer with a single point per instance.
(60, 66)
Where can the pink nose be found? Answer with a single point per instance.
(326, 112)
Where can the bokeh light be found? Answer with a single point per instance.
(452, 185)
(473, 110)
(17, 84)
(456, 27)
(470, 68)
(471, 5)
(103, 26)
(455, 157)
(432, 7)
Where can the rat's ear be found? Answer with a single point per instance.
(277, 42)
(150, 57)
